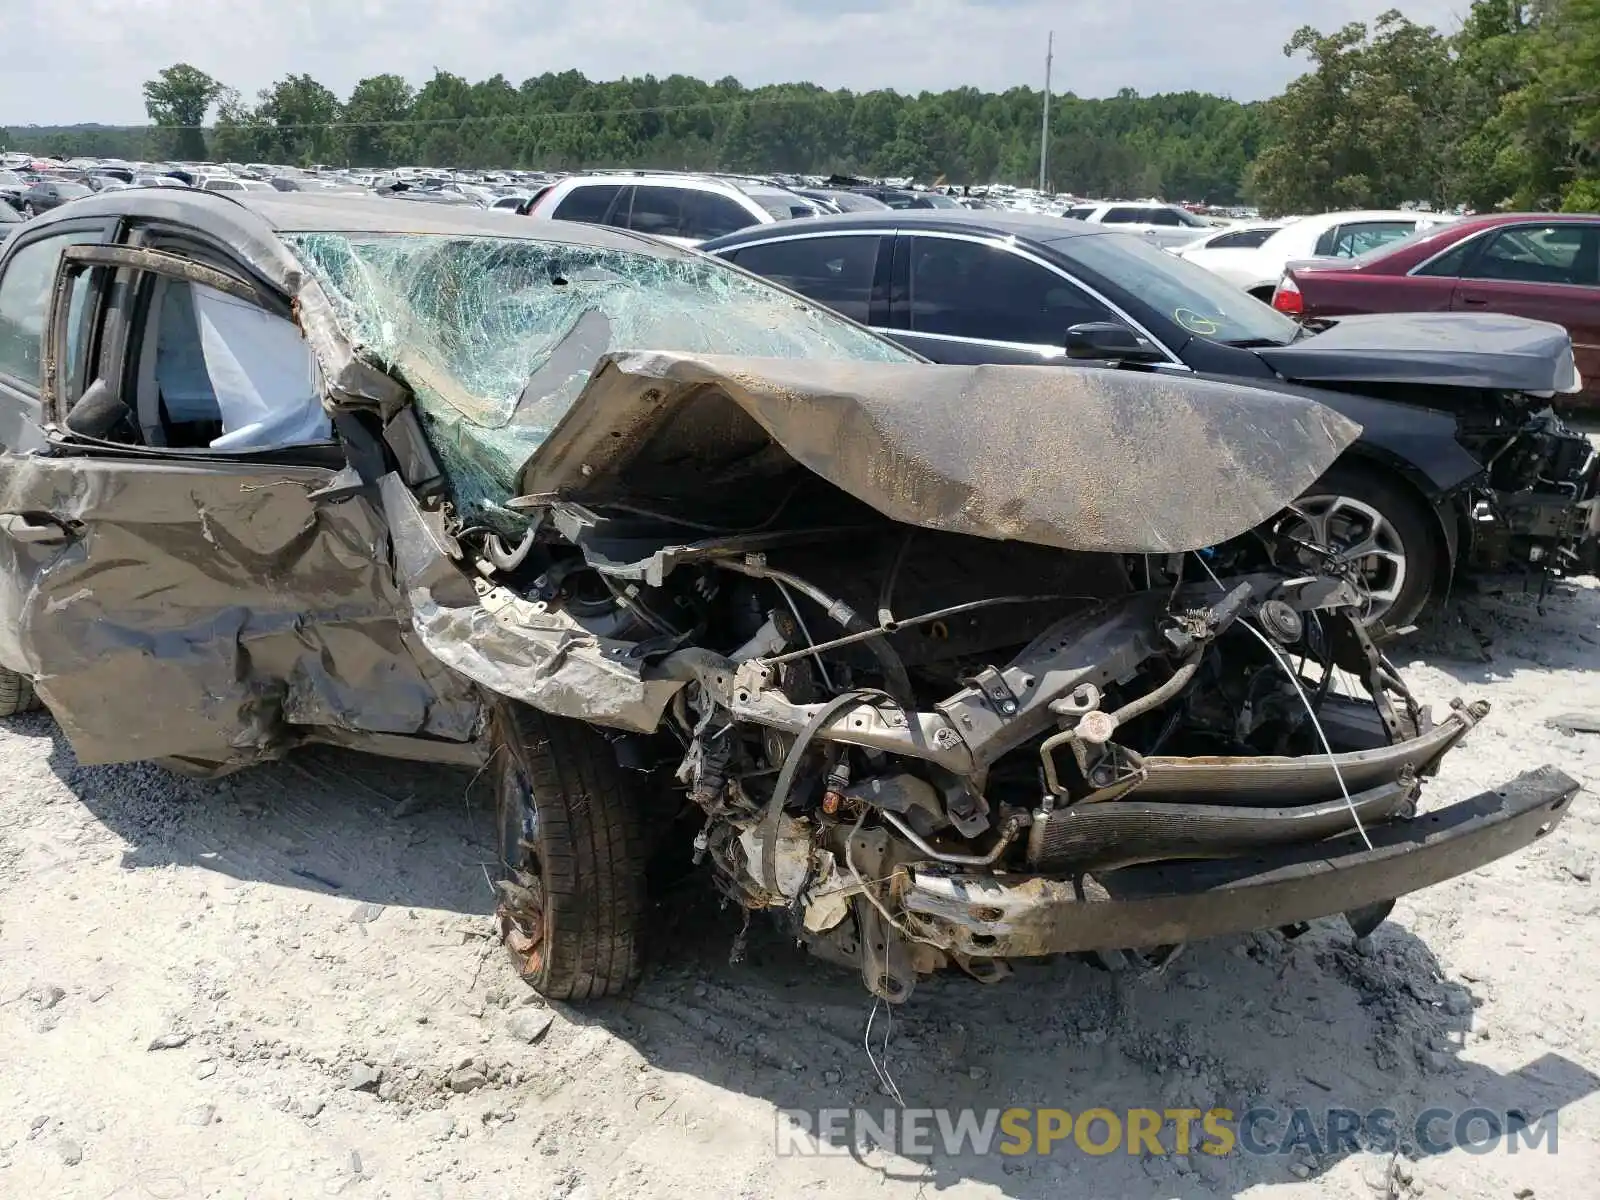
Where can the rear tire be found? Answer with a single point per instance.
(572, 856)
(16, 694)
(1407, 539)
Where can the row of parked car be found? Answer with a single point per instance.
(1328, 265)
(692, 563)
(1462, 461)
(29, 188)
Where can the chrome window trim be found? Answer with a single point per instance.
(1576, 287)
(1035, 347)
(1052, 354)
(1005, 244)
(1491, 231)
(1451, 249)
(800, 237)
(1009, 246)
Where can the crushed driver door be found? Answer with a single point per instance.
(191, 604)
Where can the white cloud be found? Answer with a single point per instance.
(84, 60)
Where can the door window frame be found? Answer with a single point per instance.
(1471, 245)
(1489, 236)
(32, 389)
(113, 338)
(878, 305)
(878, 279)
(624, 187)
(1007, 246)
(1044, 349)
(1333, 236)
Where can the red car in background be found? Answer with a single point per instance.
(1540, 265)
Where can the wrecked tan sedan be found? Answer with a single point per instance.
(942, 666)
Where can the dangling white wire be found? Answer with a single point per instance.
(882, 1072)
(1305, 700)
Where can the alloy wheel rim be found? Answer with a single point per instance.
(1360, 537)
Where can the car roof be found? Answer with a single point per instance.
(241, 219)
(708, 183)
(1491, 220)
(1331, 219)
(1025, 226)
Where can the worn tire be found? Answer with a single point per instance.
(1417, 529)
(572, 896)
(16, 694)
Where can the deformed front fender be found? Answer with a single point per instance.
(1418, 443)
(508, 646)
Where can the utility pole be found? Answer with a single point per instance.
(1044, 134)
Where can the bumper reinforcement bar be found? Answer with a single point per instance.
(1166, 903)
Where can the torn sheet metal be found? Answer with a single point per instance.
(1080, 459)
(547, 661)
(232, 616)
(512, 646)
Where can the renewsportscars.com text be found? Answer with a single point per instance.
(919, 1132)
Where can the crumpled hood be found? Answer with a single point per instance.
(1480, 350)
(1082, 459)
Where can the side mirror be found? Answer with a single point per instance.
(98, 413)
(1110, 339)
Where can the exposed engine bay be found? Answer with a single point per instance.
(917, 746)
(1536, 506)
(845, 764)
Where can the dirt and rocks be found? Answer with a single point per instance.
(283, 984)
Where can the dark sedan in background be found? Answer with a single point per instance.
(1460, 460)
(1532, 264)
(45, 194)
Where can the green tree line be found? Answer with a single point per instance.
(1504, 111)
(1190, 145)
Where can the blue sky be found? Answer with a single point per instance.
(84, 60)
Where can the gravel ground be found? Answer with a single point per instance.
(281, 984)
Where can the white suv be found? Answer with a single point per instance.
(1329, 235)
(685, 209)
(1163, 224)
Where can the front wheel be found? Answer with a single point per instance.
(16, 694)
(571, 856)
(1373, 522)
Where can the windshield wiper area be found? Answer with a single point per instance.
(1256, 343)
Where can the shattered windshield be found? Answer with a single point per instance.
(497, 337)
(471, 321)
